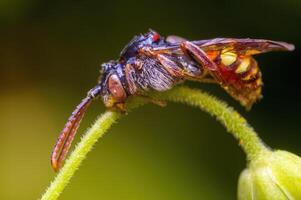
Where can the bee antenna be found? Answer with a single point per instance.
(94, 92)
(66, 137)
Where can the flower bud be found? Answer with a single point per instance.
(273, 176)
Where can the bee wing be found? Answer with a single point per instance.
(238, 72)
(241, 74)
(245, 46)
(174, 39)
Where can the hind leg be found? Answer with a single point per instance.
(193, 65)
(185, 68)
(197, 54)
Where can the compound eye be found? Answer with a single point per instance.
(116, 88)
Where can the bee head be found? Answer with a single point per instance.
(113, 91)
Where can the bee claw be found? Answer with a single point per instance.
(121, 108)
(160, 103)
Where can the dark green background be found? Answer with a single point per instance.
(50, 53)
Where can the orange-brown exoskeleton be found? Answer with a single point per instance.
(152, 62)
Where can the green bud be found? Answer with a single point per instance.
(272, 176)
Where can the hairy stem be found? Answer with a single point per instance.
(234, 123)
(98, 129)
(102, 124)
(232, 120)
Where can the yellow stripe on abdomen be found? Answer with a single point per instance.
(243, 66)
(228, 58)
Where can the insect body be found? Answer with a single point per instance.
(152, 62)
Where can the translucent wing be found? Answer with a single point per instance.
(241, 75)
(238, 72)
(245, 46)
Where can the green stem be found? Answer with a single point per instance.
(234, 123)
(232, 120)
(102, 124)
(98, 129)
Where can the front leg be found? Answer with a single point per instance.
(152, 100)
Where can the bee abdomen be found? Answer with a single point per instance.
(241, 75)
(249, 72)
(244, 68)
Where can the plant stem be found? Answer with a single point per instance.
(232, 120)
(102, 124)
(98, 129)
(234, 123)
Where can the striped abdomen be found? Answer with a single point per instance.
(241, 75)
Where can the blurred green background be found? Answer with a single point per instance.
(50, 53)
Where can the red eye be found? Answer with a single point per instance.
(156, 37)
(116, 88)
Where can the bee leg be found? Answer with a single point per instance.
(152, 100)
(207, 78)
(184, 71)
(188, 70)
(178, 69)
(121, 107)
(130, 70)
(198, 55)
(170, 66)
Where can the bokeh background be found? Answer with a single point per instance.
(50, 55)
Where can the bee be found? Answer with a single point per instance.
(150, 62)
